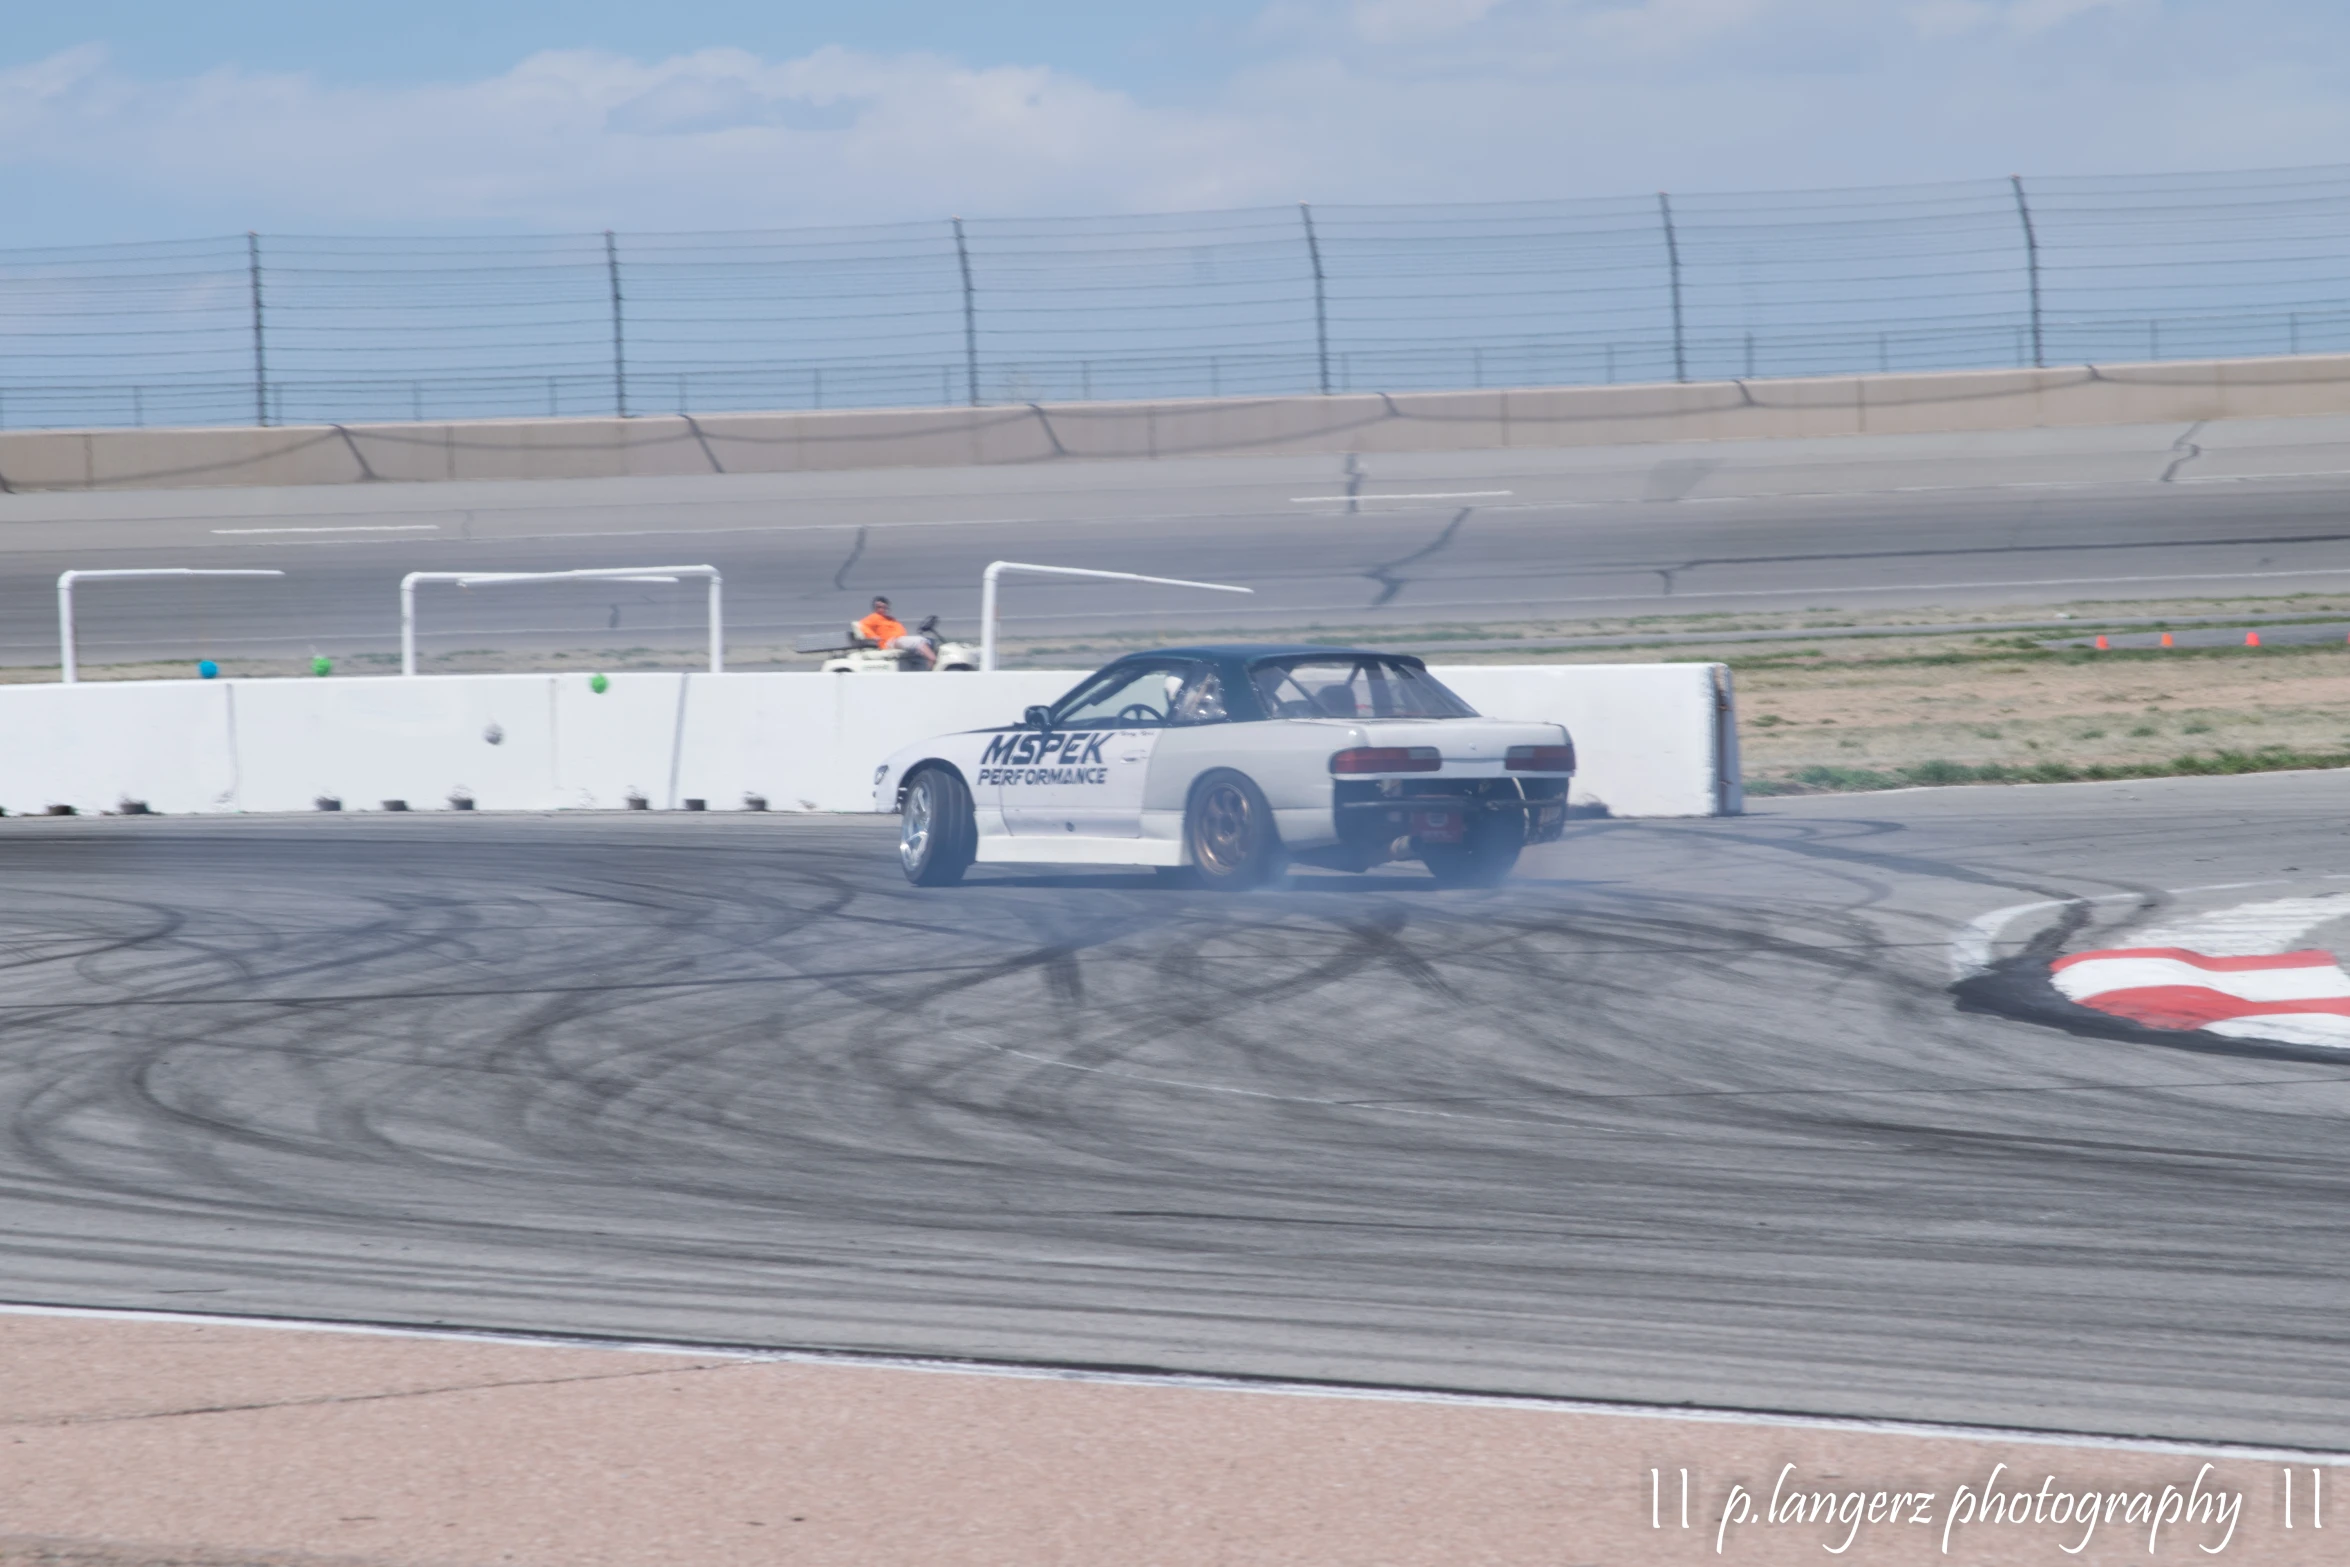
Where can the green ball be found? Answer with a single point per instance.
(322, 665)
(598, 684)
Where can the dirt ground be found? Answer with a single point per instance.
(1909, 705)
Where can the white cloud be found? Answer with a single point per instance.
(1388, 21)
(1386, 100)
(718, 136)
(1946, 18)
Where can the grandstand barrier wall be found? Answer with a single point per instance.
(563, 448)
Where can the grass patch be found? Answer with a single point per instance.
(1834, 780)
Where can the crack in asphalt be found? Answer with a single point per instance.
(2186, 448)
(840, 583)
(1385, 572)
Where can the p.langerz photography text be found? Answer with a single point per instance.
(2203, 1510)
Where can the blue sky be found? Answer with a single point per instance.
(123, 119)
(441, 40)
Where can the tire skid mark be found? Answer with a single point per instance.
(775, 1090)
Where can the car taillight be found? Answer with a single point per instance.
(1541, 759)
(1387, 759)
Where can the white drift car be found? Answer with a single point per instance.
(1221, 763)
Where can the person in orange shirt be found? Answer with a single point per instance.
(885, 630)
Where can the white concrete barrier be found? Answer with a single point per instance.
(798, 442)
(1650, 739)
(1653, 740)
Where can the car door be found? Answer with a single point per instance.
(1084, 776)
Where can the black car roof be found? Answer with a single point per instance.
(1256, 650)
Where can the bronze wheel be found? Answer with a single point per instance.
(1230, 830)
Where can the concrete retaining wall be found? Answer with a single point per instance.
(1649, 737)
(2171, 391)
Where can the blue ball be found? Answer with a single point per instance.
(206, 668)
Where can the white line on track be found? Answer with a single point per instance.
(2255, 478)
(1909, 489)
(1430, 495)
(2245, 929)
(1203, 1381)
(357, 527)
(1925, 587)
(1970, 949)
(689, 503)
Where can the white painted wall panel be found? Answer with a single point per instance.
(1647, 735)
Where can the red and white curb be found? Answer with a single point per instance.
(2301, 998)
(2234, 971)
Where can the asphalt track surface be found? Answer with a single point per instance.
(1869, 525)
(1688, 1112)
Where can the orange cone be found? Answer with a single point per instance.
(2166, 639)
(2252, 639)
(2100, 644)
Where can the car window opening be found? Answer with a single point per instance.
(1353, 687)
(1145, 695)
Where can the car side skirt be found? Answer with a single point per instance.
(1072, 850)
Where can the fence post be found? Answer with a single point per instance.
(1321, 304)
(970, 316)
(619, 341)
(2023, 210)
(260, 357)
(1664, 205)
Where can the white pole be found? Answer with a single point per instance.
(408, 623)
(987, 593)
(408, 612)
(65, 625)
(987, 580)
(717, 627)
(68, 665)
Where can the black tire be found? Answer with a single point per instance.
(1229, 830)
(936, 835)
(1485, 856)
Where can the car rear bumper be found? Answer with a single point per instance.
(1370, 814)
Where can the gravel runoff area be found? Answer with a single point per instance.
(193, 1443)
